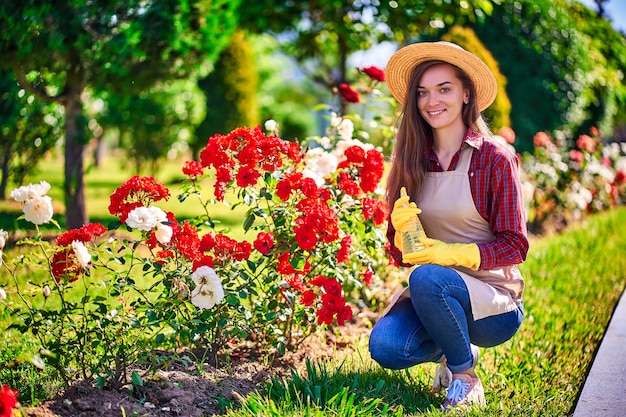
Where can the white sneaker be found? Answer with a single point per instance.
(443, 375)
(464, 391)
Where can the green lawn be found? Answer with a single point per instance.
(101, 181)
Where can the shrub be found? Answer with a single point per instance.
(104, 297)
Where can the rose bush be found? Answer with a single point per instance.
(564, 181)
(106, 297)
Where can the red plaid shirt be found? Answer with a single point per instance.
(496, 189)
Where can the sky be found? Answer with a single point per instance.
(614, 10)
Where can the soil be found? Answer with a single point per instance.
(192, 390)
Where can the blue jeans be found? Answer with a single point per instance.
(436, 322)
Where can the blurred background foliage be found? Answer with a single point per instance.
(153, 80)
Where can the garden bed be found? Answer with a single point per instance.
(191, 389)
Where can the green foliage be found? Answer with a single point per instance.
(283, 96)
(119, 46)
(323, 34)
(230, 91)
(499, 113)
(151, 126)
(28, 130)
(561, 61)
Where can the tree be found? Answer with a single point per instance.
(322, 34)
(28, 130)
(564, 65)
(59, 49)
(230, 91)
(150, 125)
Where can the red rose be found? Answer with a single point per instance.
(193, 169)
(344, 314)
(374, 73)
(349, 94)
(264, 242)
(8, 401)
(307, 298)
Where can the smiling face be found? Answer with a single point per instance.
(441, 96)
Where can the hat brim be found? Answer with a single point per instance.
(403, 61)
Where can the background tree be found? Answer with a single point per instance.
(230, 91)
(152, 125)
(58, 50)
(563, 64)
(285, 94)
(29, 129)
(322, 34)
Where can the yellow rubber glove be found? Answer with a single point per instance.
(445, 254)
(403, 211)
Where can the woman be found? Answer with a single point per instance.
(466, 290)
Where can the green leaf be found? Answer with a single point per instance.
(232, 300)
(136, 378)
(251, 265)
(321, 106)
(297, 262)
(249, 222)
(114, 225)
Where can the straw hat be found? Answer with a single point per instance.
(402, 63)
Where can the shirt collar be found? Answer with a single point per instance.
(472, 138)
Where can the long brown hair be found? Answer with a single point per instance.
(408, 165)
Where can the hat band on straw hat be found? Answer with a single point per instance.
(402, 63)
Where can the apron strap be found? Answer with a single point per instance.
(465, 159)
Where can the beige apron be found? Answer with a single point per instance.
(449, 214)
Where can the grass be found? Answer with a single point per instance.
(100, 182)
(573, 283)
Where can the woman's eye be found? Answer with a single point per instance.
(445, 89)
(421, 93)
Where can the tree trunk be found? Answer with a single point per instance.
(5, 176)
(74, 186)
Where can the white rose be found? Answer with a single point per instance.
(334, 120)
(3, 238)
(160, 215)
(208, 291)
(38, 210)
(20, 194)
(163, 233)
(46, 291)
(322, 163)
(3, 294)
(142, 218)
(307, 173)
(39, 190)
(82, 254)
(271, 125)
(345, 129)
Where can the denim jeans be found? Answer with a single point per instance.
(436, 322)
